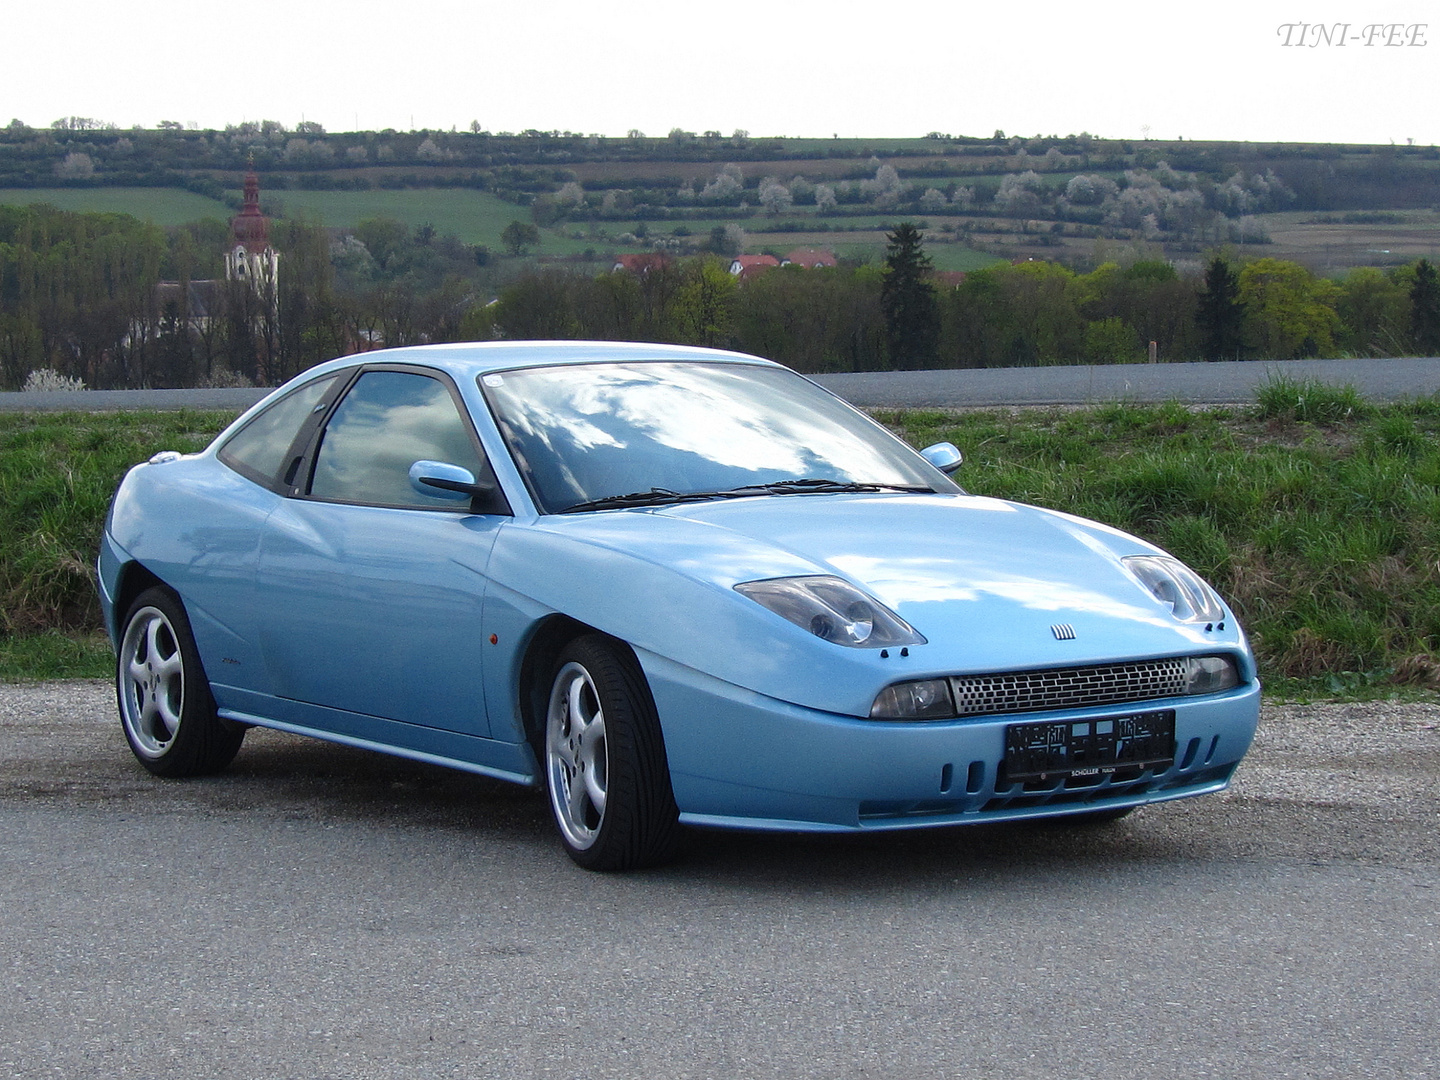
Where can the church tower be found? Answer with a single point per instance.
(251, 258)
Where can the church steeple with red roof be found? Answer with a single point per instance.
(250, 228)
(251, 258)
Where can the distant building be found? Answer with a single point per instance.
(641, 263)
(251, 258)
(747, 266)
(199, 308)
(810, 258)
(201, 301)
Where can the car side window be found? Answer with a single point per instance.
(259, 449)
(385, 423)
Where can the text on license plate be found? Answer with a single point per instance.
(1061, 748)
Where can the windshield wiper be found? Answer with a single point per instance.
(658, 496)
(822, 486)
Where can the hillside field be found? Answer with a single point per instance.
(163, 206)
(1325, 243)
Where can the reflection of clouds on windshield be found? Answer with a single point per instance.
(762, 424)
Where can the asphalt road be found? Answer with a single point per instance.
(319, 911)
(1201, 384)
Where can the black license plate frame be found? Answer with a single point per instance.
(1052, 750)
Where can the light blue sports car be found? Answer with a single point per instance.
(671, 586)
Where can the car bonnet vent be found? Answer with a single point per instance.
(1068, 688)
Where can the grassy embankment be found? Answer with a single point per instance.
(1314, 512)
(57, 473)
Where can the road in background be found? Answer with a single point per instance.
(320, 911)
(1200, 384)
(1197, 384)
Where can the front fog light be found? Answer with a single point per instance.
(1210, 674)
(924, 699)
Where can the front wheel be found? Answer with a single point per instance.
(605, 760)
(165, 703)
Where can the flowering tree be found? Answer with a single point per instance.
(774, 196)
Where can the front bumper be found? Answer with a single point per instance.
(739, 759)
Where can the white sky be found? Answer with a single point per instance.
(786, 67)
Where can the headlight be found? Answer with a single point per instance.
(1174, 583)
(1210, 674)
(923, 699)
(832, 609)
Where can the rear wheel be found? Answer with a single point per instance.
(165, 702)
(605, 762)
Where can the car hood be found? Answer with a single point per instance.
(984, 580)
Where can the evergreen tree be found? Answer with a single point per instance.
(908, 301)
(1425, 309)
(1220, 314)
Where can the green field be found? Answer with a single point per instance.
(163, 206)
(476, 217)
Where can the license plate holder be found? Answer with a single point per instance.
(1060, 749)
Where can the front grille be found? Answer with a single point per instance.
(1068, 688)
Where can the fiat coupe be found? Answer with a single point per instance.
(671, 587)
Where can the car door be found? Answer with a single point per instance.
(373, 589)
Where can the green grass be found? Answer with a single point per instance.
(1316, 515)
(53, 655)
(476, 217)
(57, 474)
(1309, 400)
(163, 206)
(1323, 533)
(959, 257)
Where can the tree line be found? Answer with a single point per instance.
(81, 295)
(898, 316)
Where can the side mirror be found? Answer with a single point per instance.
(445, 480)
(944, 456)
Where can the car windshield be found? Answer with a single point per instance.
(594, 436)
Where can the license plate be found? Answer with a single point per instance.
(1064, 748)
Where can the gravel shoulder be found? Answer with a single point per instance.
(319, 911)
(1353, 780)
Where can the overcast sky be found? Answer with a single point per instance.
(786, 67)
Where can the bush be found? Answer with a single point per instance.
(47, 380)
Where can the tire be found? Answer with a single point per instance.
(605, 765)
(166, 707)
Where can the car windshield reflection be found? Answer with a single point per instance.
(585, 433)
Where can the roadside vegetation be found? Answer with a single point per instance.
(57, 473)
(1315, 512)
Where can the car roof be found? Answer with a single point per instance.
(470, 358)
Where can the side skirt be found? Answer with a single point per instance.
(514, 763)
